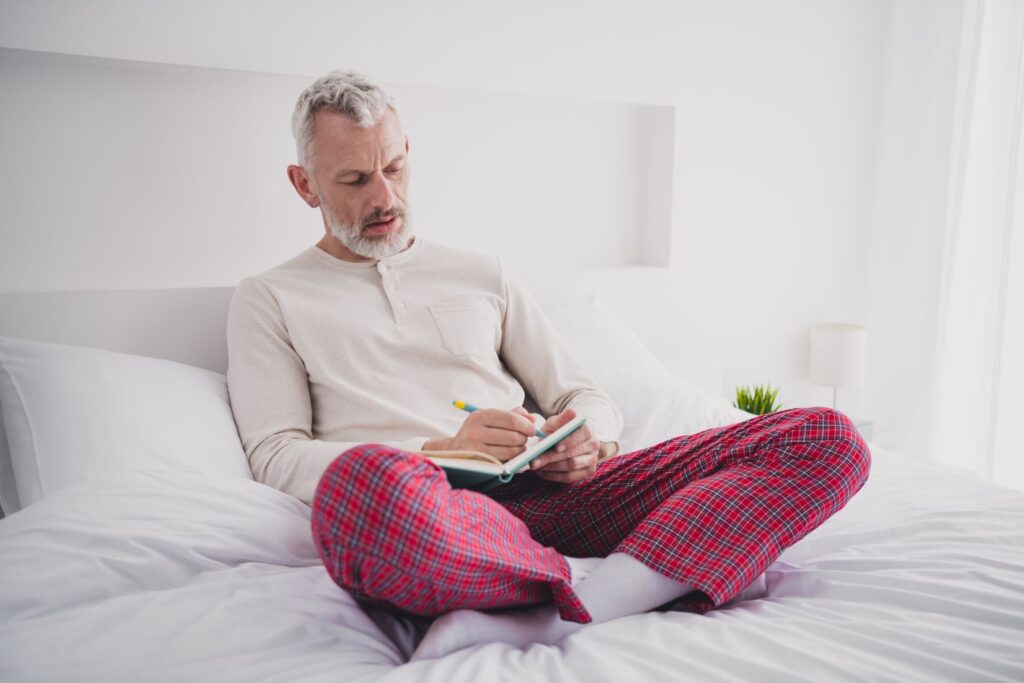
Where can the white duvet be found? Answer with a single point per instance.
(149, 575)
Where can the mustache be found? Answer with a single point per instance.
(377, 215)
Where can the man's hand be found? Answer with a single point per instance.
(574, 458)
(501, 433)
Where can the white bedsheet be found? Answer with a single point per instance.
(157, 576)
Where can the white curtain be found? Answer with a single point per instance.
(978, 400)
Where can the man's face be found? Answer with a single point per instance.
(360, 176)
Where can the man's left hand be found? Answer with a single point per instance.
(574, 458)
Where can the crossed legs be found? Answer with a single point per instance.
(694, 519)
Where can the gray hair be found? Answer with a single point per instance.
(346, 92)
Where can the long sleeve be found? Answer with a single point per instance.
(270, 398)
(542, 361)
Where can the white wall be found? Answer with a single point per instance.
(167, 176)
(776, 124)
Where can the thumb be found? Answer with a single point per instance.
(558, 421)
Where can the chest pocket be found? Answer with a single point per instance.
(466, 327)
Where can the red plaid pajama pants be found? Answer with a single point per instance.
(711, 510)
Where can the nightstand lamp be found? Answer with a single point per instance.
(838, 353)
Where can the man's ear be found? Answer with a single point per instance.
(300, 181)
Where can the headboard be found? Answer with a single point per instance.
(184, 325)
(188, 325)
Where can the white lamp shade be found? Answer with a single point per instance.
(838, 354)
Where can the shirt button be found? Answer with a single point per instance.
(401, 306)
(384, 266)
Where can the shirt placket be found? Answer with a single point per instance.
(393, 291)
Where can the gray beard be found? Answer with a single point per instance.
(370, 247)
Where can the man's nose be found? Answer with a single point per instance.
(382, 194)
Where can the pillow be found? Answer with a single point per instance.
(72, 413)
(8, 491)
(655, 404)
(603, 343)
(655, 409)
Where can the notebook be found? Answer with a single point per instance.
(482, 471)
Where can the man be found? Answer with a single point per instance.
(344, 360)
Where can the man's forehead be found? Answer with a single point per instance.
(342, 142)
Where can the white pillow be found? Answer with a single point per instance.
(73, 413)
(600, 340)
(655, 404)
(655, 409)
(8, 491)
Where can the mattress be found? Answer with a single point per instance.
(161, 575)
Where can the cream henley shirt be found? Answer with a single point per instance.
(326, 354)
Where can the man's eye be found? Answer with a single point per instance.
(357, 182)
(393, 171)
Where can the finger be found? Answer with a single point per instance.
(508, 419)
(550, 458)
(545, 460)
(493, 418)
(492, 436)
(557, 421)
(578, 451)
(568, 442)
(580, 436)
(554, 455)
(588, 446)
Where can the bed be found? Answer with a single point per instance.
(136, 545)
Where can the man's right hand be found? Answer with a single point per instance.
(501, 433)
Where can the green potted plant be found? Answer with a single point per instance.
(759, 399)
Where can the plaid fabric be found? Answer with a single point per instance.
(711, 509)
